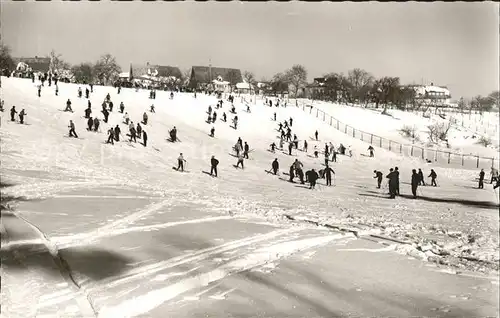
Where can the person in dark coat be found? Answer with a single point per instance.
(328, 175)
(224, 117)
(371, 150)
(144, 138)
(246, 149)
(316, 135)
(392, 183)
(421, 175)
(118, 131)
(111, 136)
(68, 106)
(378, 176)
(96, 124)
(305, 145)
(139, 131)
(133, 134)
(88, 111)
(106, 115)
(433, 177)
(415, 180)
(292, 173)
(481, 179)
(111, 106)
(21, 116)
(90, 123)
(312, 176)
(291, 121)
(145, 118)
(396, 173)
(290, 147)
(72, 132)
(276, 166)
(213, 166)
(13, 113)
(122, 107)
(212, 132)
(87, 92)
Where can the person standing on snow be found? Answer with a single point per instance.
(415, 180)
(392, 183)
(305, 145)
(481, 179)
(328, 174)
(371, 150)
(13, 113)
(378, 176)
(122, 107)
(126, 118)
(144, 138)
(68, 106)
(275, 117)
(396, 173)
(421, 176)
(312, 176)
(291, 121)
(180, 162)
(212, 132)
(39, 90)
(90, 123)
(72, 132)
(79, 92)
(316, 135)
(213, 166)
(88, 111)
(214, 117)
(433, 177)
(145, 118)
(240, 161)
(117, 133)
(290, 147)
(275, 166)
(96, 124)
(291, 172)
(246, 149)
(87, 92)
(111, 136)
(139, 131)
(21, 116)
(106, 115)
(224, 117)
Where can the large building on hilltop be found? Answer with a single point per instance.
(152, 71)
(216, 78)
(26, 65)
(432, 95)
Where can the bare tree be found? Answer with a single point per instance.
(361, 82)
(57, 64)
(297, 76)
(83, 73)
(233, 78)
(186, 76)
(249, 77)
(7, 63)
(106, 68)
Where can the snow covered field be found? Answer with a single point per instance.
(460, 138)
(125, 223)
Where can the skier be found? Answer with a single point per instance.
(96, 124)
(68, 106)
(326, 159)
(275, 118)
(106, 115)
(119, 89)
(21, 116)
(88, 111)
(240, 160)
(152, 108)
(328, 174)
(246, 148)
(132, 133)
(273, 147)
(126, 118)
(312, 176)
(378, 176)
(316, 152)
(237, 147)
(421, 176)
(295, 141)
(371, 150)
(111, 136)
(275, 166)
(213, 166)
(280, 127)
(209, 120)
(122, 107)
(326, 148)
(298, 170)
(72, 132)
(13, 113)
(224, 118)
(305, 145)
(110, 106)
(108, 98)
(433, 177)
(290, 146)
(180, 162)
(415, 181)
(87, 92)
(145, 118)
(209, 109)
(316, 135)
(144, 138)
(291, 121)
(118, 132)
(139, 131)
(481, 179)
(39, 90)
(90, 123)
(214, 117)
(235, 122)
(334, 155)
(282, 141)
(212, 132)
(79, 92)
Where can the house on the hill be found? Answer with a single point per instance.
(27, 65)
(432, 95)
(216, 78)
(158, 76)
(316, 89)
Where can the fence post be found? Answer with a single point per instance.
(371, 139)
(338, 125)
(390, 145)
(330, 120)
(477, 162)
(462, 160)
(317, 113)
(422, 152)
(324, 116)
(353, 132)
(400, 148)
(449, 157)
(345, 130)
(411, 152)
(362, 136)
(380, 142)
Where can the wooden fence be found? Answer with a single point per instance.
(410, 150)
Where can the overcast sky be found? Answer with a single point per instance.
(452, 44)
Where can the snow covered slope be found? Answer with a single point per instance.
(388, 126)
(40, 150)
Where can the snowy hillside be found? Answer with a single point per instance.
(454, 223)
(461, 139)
